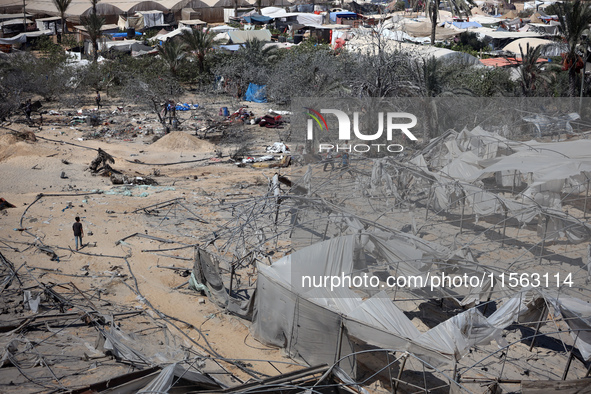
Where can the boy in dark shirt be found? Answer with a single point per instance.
(78, 231)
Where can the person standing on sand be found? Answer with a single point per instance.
(98, 100)
(78, 232)
(28, 109)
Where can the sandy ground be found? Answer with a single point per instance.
(30, 168)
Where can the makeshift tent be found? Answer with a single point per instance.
(257, 19)
(466, 25)
(242, 36)
(343, 14)
(302, 18)
(256, 93)
(550, 48)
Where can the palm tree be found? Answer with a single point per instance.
(94, 27)
(173, 53)
(457, 7)
(255, 51)
(62, 7)
(530, 70)
(574, 19)
(200, 42)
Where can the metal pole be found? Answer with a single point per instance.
(538, 324)
(389, 368)
(586, 197)
(544, 239)
(326, 229)
(340, 343)
(462, 215)
(400, 373)
(582, 81)
(504, 225)
(231, 279)
(570, 357)
(428, 202)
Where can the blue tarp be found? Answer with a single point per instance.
(137, 33)
(256, 93)
(466, 25)
(344, 14)
(257, 19)
(186, 107)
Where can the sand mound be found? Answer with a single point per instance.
(10, 146)
(180, 141)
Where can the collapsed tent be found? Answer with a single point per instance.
(318, 325)
(308, 320)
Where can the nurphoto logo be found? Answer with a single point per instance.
(395, 122)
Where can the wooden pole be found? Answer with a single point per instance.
(24, 17)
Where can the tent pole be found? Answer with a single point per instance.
(400, 373)
(504, 225)
(340, 343)
(325, 229)
(544, 238)
(389, 369)
(295, 219)
(462, 215)
(428, 202)
(538, 324)
(504, 361)
(586, 197)
(231, 279)
(570, 357)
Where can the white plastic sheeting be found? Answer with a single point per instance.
(303, 18)
(309, 323)
(577, 315)
(547, 169)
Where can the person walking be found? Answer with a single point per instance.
(98, 100)
(329, 160)
(28, 109)
(78, 231)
